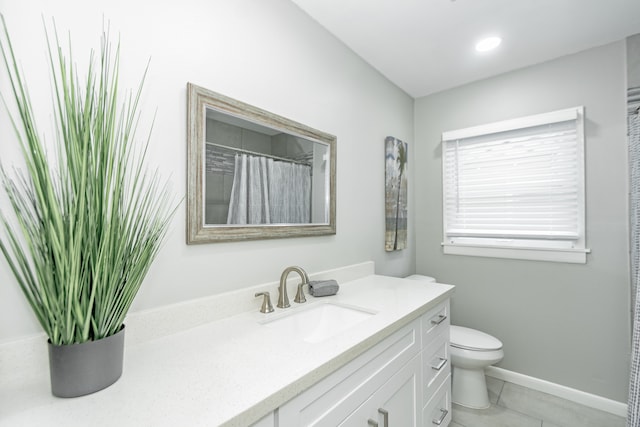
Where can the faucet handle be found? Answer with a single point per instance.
(266, 302)
(300, 294)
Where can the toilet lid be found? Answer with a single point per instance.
(471, 339)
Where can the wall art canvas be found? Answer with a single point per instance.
(396, 183)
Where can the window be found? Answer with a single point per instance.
(515, 189)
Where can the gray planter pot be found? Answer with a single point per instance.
(80, 369)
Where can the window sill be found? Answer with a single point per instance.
(575, 256)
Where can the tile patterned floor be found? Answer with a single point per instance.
(516, 406)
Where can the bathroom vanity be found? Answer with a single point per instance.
(375, 354)
(403, 380)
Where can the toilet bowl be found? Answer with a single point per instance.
(471, 352)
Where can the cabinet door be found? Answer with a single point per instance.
(396, 403)
(401, 398)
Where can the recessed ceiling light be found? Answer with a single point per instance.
(488, 43)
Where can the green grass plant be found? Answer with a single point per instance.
(85, 219)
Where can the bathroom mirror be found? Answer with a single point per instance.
(255, 175)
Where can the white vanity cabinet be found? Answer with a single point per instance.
(403, 381)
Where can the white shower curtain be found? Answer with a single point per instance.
(633, 415)
(268, 191)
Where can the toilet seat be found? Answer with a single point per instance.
(471, 339)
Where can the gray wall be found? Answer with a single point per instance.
(565, 323)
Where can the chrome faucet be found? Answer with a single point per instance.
(283, 299)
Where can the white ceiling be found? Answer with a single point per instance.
(425, 46)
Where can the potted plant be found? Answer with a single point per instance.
(86, 217)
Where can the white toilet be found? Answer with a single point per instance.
(471, 352)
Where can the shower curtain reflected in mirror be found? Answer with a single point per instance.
(268, 191)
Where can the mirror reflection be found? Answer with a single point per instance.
(255, 175)
(259, 175)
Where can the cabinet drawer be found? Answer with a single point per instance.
(435, 322)
(332, 399)
(438, 411)
(436, 366)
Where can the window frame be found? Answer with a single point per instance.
(555, 250)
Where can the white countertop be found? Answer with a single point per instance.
(230, 371)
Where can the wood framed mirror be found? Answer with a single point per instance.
(252, 174)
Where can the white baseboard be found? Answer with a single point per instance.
(568, 393)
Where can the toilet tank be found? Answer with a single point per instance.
(421, 277)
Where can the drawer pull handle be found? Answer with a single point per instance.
(385, 417)
(443, 415)
(372, 423)
(441, 318)
(440, 365)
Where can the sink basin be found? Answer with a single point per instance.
(318, 321)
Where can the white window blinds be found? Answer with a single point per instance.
(518, 179)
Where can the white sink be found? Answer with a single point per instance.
(318, 321)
